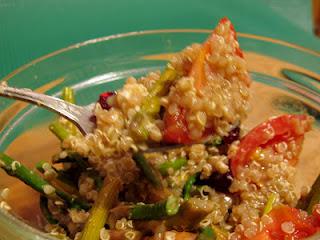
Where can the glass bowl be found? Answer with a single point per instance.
(103, 64)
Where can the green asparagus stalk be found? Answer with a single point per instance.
(45, 210)
(155, 211)
(175, 165)
(188, 186)
(215, 141)
(138, 126)
(17, 170)
(58, 129)
(147, 169)
(269, 205)
(151, 105)
(100, 210)
(68, 95)
(160, 87)
(77, 159)
(190, 214)
(207, 233)
(220, 233)
(97, 178)
(56, 179)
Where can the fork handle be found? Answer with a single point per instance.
(72, 112)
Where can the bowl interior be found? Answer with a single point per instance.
(104, 64)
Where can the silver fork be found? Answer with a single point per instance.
(78, 115)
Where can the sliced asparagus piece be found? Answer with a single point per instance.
(45, 210)
(155, 211)
(58, 129)
(207, 233)
(147, 169)
(18, 170)
(175, 165)
(100, 210)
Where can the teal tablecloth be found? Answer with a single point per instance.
(32, 28)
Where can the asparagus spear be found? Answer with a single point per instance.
(160, 87)
(190, 214)
(188, 186)
(221, 233)
(68, 95)
(151, 105)
(56, 179)
(17, 170)
(155, 211)
(147, 170)
(271, 200)
(100, 210)
(73, 158)
(45, 210)
(207, 233)
(58, 129)
(175, 165)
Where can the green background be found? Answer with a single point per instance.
(32, 28)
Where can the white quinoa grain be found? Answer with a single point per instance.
(78, 216)
(205, 222)
(104, 234)
(130, 235)
(287, 227)
(5, 193)
(46, 166)
(58, 203)
(63, 154)
(170, 235)
(48, 189)
(201, 118)
(15, 164)
(5, 206)
(265, 220)
(78, 236)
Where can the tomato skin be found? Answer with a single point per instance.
(103, 99)
(176, 130)
(198, 67)
(282, 128)
(225, 21)
(304, 226)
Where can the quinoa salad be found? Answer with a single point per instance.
(169, 159)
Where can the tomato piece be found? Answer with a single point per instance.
(287, 223)
(226, 22)
(283, 128)
(103, 99)
(175, 128)
(198, 67)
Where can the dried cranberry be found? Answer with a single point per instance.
(220, 182)
(232, 136)
(103, 99)
(93, 119)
